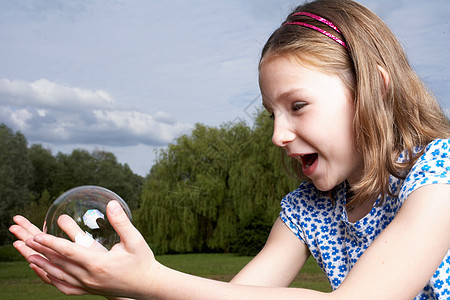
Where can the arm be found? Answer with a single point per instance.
(278, 262)
(405, 255)
(395, 266)
(130, 270)
(25, 230)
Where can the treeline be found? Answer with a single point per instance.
(31, 178)
(216, 189)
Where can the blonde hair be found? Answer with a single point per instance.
(388, 120)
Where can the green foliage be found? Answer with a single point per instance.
(215, 189)
(57, 174)
(206, 184)
(9, 253)
(35, 211)
(96, 168)
(15, 177)
(252, 234)
(32, 178)
(44, 170)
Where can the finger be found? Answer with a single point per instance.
(49, 269)
(48, 256)
(128, 234)
(69, 226)
(24, 228)
(40, 273)
(27, 225)
(58, 266)
(66, 288)
(22, 221)
(74, 232)
(41, 250)
(62, 251)
(62, 261)
(23, 249)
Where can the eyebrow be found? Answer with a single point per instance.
(290, 93)
(285, 95)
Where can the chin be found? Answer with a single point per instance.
(324, 186)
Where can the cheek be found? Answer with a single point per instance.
(342, 117)
(334, 122)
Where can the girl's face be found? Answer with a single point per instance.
(313, 114)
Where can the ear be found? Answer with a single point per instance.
(385, 76)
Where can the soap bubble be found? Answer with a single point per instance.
(87, 206)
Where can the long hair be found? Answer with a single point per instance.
(387, 121)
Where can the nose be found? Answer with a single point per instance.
(283, 132)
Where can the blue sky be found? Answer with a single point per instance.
(129, 76)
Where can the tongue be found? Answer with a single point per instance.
(309, 159)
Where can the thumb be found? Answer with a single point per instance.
(119, 220)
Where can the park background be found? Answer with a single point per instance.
(209, 200)
(159, 102)
(216, 189)
(130, 76)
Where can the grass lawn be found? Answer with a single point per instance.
(18, 281)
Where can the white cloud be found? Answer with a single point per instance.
(127, 67)
(42, 112)
(20, 117)
(49, 112)
(139, 126)
(48, 94)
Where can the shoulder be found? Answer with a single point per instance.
(306, 206)
(432, 167)
(438, 149)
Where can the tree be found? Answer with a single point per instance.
(74, 170)
(259, 183)
(97, 168)
(118, 178)
(35, 211)
(31, 179)
(44, 171)
(206, 184)
(15, 177)
(55, 175)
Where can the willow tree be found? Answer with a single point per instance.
(185, 203)
(208, 187)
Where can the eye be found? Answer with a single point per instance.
(298, 105)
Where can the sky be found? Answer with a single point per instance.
(130, 76)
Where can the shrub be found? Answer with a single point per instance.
(9, 253)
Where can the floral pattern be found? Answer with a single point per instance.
(336, 243)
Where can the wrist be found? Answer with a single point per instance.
(153, 282)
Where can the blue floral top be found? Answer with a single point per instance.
(336, 243)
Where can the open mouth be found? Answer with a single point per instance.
(309, 159)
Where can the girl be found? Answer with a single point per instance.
(372, 147)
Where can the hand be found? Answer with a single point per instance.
(74, 269)
(25, 230)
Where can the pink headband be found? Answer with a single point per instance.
(322, 20)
